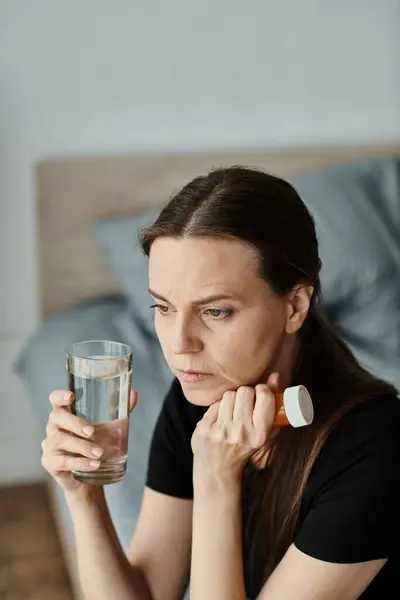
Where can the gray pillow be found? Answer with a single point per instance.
(118, 240)
(357, 212)
(41, 367)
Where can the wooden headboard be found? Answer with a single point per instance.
(72, 192)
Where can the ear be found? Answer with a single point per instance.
(298, 306)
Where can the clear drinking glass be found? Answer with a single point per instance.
(100, 376)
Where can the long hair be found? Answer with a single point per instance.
(266, 213)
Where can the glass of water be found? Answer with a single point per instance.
(100, 376)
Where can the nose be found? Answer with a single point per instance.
(185, 337)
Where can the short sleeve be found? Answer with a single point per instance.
(354, 516)
(170, 464)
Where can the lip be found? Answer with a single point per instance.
(192, 376)
(192, 372)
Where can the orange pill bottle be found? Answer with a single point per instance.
(293, 407)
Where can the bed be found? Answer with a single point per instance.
(93, 278)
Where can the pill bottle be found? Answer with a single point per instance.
(293, 407)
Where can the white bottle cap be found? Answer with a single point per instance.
(298, 406)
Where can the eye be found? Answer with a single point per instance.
(161, 308)
(219, 313)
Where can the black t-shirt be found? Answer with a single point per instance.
(350, 510)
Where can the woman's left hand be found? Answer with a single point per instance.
(234, 429)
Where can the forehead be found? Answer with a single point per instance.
(201, 263)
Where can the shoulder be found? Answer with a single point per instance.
(366, 437)
(350, 506)
(374, 419)
(377, 413)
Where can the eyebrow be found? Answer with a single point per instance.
(206, 300)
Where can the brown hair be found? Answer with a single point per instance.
(266, 212)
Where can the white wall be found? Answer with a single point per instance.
(94, 76)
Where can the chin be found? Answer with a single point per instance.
(202, 395)
(206, 392)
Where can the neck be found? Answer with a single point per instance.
(285, 361)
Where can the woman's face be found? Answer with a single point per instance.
(216, 315)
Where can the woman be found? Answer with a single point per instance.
(246, 509)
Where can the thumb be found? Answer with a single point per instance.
(133, 400)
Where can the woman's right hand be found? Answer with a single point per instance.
(66, 436)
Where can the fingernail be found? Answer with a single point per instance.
(262, 387)
(88, 430)
(94, 463)
(97, 451)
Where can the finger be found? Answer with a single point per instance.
(58, 463)
(133, 400)
(264, 409)
(211, 416)
(60, 418)
(273, 382)
(61, 398)
(244, 405)
(63, 441)
(225, 413)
